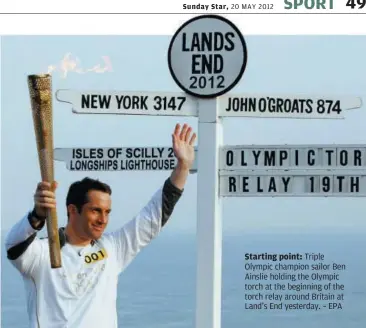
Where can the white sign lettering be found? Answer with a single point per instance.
(286, 106)
(293, 157)
(118, 158)
(293, 183)
(131, 103)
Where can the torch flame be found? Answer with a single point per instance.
(69, 64)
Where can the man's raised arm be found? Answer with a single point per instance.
(183, 146)
(138, 232)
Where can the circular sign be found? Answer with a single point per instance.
(207, 56)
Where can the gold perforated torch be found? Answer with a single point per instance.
(40, 90)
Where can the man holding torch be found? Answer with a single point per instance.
(82, 292)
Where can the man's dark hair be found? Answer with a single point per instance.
(78, 192)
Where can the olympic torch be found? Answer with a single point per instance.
(40, 90)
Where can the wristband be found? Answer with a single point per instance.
(35, 215)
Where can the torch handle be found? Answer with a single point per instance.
(53, 239)
(46, 166)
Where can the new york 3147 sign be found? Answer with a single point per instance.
(207, 56)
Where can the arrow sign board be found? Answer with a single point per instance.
(292, 183)
(207, 56)
(131, 103)
(286, 106)
(181, 104)
(118, 158)
(293, 157)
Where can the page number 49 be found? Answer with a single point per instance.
(354, 3)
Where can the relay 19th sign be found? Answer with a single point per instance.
(207, 56)
(285, 183)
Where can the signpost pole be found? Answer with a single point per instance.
(209, 226)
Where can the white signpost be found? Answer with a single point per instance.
(207, 57)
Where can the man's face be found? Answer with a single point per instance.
(94, 215)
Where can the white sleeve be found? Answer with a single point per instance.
(24, 249)
(145, 226)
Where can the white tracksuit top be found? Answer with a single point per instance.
(83, 292)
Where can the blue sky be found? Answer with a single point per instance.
(277, 64)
